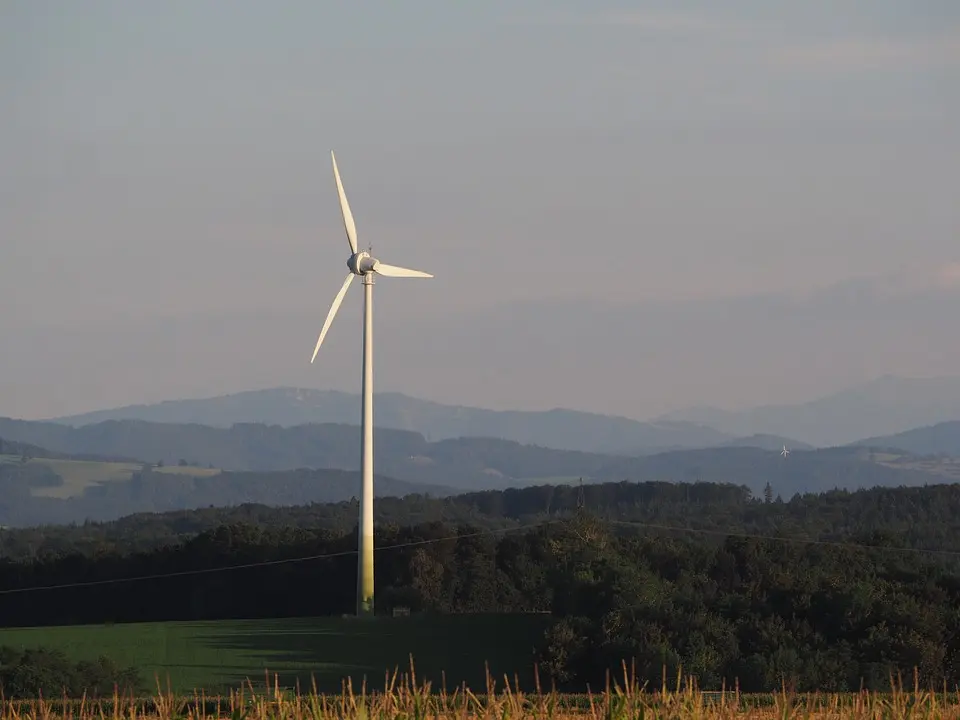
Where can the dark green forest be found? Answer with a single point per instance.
(922, 517)
(705, 576)
(36, 672)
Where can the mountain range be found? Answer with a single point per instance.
(286, 446)
(881, 407)
(884, 406)
(942, 439)
(559, 428)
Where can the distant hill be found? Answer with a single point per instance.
(317, 463)
(35, 495)
(883, 406)
(940, 439)
(287, 407)
(801, 472)
(464, 463)
(14, 448)
(26, 498)
(768, 442)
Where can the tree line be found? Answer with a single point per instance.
(48, 673)
(919, 517)
(727, 608)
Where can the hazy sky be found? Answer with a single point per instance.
(169, 224)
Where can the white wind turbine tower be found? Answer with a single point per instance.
(361, 263)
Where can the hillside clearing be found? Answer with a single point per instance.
(78, 475)
(946, 467)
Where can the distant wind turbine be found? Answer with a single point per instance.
(363, 264)
(784, 452)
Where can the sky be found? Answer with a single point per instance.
(605, 192)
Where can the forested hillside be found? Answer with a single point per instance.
(922, 517)
(680, 575)
(274, 465)
(466, 463)
(802, 471)
(156, 491)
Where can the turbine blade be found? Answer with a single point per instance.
(333, 311)
(397, 271)
(348, 223)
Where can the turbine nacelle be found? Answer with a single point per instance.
(362, 263)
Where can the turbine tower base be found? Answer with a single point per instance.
(365, 528)
(361, 263)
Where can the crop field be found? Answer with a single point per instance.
(78, 475)
(218, 655)
(404, 696)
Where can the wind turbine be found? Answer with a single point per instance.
(784, 452)
(363, 264)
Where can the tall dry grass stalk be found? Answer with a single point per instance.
(404, 698)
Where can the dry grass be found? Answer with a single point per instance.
(404, 698)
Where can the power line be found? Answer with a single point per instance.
(266, 563)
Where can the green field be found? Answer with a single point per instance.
(78, 475)
(216, 655)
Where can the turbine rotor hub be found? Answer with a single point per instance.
(362, 263)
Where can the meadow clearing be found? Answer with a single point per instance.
(78, 475)
(398, 668)
(219, 655)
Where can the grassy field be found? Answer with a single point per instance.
(220, 654)
(80, 474)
